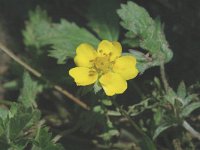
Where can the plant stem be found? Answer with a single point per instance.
(189, 128)
(39, 75)
(163, 77)
(6, 102)
(123, 113)
(185, 124)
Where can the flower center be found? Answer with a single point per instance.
(102, 64)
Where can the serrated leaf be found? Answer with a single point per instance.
(37, 29)
(134, 18)
(29, 91)
(189, 109)
(63, 37)
(104, 22)
(66, 37)
(147, 32)
(23, 119)
(181, 91)
(43, 141)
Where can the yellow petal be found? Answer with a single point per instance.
(85, 54)
(126, 67)
(114, 49)
(83, 76)
(113, 83)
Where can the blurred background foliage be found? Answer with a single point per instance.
(45, 33)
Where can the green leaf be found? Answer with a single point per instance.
(63, 37)
(98, 109)
(23, 119)
(171, 96)
(43, 141)
(134, 18)
(3, 113)
(189, 109)
(164, 126)
(109, 134)
(106, 102)
(181, 91)
(37, 30)
(104, 20)
(66, 37)
(29, 91)
(189, 98)
(145, 33)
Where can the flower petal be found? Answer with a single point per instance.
(113, 83)
(126, 67)
(114, 49)
(83, 76)
(85, 53)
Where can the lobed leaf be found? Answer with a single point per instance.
(63, 37)
(29, 91)
(146, 33)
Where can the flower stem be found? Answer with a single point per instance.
(39, 75)
(163, 77)
(145, 138)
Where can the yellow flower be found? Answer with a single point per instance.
(105, 65)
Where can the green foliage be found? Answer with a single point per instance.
(17, 127)
(146, 33)
(29, 91)
(15, 123)
(143, 118)
(63, 37)
(43, 141)
(103, 19)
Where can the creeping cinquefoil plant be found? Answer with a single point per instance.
(150, 115)
(105, 65)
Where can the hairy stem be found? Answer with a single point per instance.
(163, 77)
(189, 128)
(39, 75)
